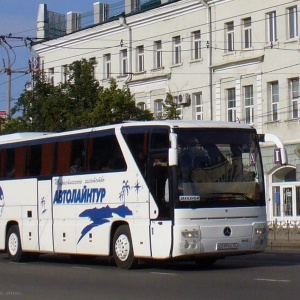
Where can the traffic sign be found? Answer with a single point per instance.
(297, 151)
(3, 114)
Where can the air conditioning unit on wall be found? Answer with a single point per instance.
(184, 99)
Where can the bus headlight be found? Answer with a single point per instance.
(190, 240)
(193, 234)
(260, 230)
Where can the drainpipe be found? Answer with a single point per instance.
(209, 53)
(123, 23)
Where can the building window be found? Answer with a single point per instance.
(64, 73)
(292, 22)
(157, 55)
(247, 34)
(124, 61)
(198, 105)
(276, 202)
(107, 66)
(229, 40)
(274, 94)
(51, 75)
(297, 201)
(271, 27)
(141, 105)
(158, 109)
(135, 5)
(140, 58)
(176, 50)
(231, 105)
(249, 108)
(196, 47)
(294, 87)
(287, 202)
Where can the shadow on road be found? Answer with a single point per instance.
(270, 258)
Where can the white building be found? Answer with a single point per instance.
(229, 60)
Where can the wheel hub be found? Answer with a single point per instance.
(13, 244)
(122, 247)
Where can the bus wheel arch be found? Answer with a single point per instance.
(122, 248)
(13, 243)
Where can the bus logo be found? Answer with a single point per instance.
(227, 231)
(100, 216)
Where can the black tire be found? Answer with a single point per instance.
(122, 248)
(13, 244)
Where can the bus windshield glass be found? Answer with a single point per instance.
(219, 168)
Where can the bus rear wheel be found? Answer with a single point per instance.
(122, 248)
(13, 244)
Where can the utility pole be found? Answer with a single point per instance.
(8, 70)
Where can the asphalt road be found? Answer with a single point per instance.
(271, 275)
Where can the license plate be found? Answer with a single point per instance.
(227, 246)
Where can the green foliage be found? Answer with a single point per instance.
(170, 108)
(79, 103)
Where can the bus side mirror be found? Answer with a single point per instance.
(173, 153)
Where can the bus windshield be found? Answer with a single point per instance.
(219, 168)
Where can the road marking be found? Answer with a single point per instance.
(272, 280)
(161, 273)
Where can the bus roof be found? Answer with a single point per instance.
(28, 136)
(190, 124)
(19, 136)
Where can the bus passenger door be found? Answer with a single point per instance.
(161, 238)
(45, 215)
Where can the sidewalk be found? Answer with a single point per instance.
(284, 239)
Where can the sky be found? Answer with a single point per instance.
(18, 17)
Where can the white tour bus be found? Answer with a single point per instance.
(154, 190)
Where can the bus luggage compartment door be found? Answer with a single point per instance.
(45, 215)
(161, 238)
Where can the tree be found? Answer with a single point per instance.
(170, 108)
(30, 107)
(116, 105)
(79, 103)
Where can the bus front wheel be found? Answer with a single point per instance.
(13, 244)
(122, 248)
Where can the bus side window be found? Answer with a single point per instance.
(12, 162)
(160, 140)
(10, 167)
(105, 154)
(138, 143)
(33, 160)
(2, 163)
(66, 154)
(63, 157)
(19, 161)
(47, 159)
(78, 156)
(158, 179)
(159, 171)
